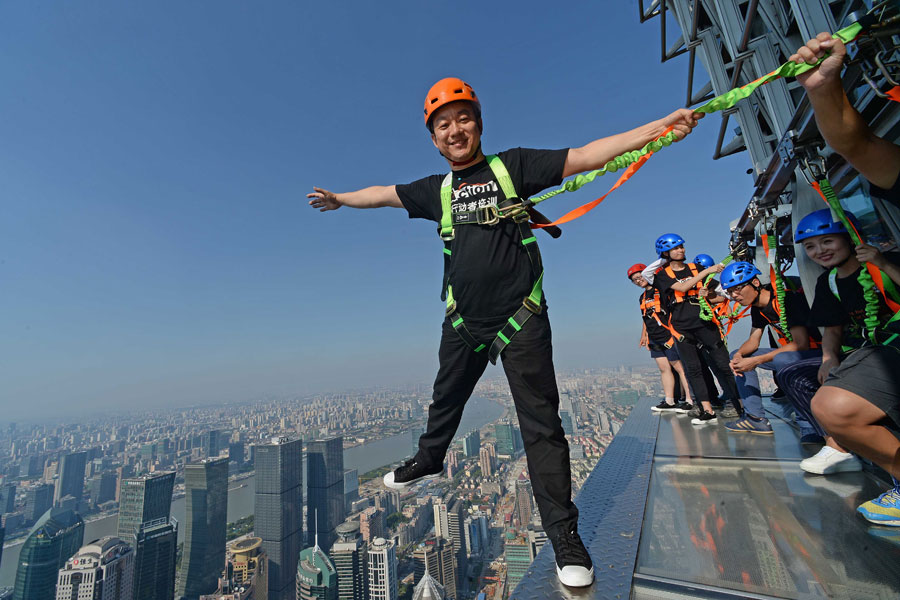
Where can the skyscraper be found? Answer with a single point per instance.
(436, 557)
(56, 536)
(155, 550)
(472, 443)
(349, 556)
(316, 576)
(100, 570)
(246, 572)
(428, 589)
(518, 558)
(279, 511)
(524, 502)
(71, 477)
(351, 488)
(7, 498)
(325, 489)
(38, 500)
(206, 490)
(506, 438)
(143, 499)
(211, 443)
(486, 462)
(382, 570)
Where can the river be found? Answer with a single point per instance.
(479, 412)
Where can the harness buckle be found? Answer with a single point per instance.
(530, 305)
(487, 215)
(449, 237)
(451, 308)
(517, 211)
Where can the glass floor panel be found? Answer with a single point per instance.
(761, 528)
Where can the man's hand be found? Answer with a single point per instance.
(827, 365)
(870, 254)
(324, 200)
(830, 69)
(716, 268)
(682, 122)
(644, 341)
(740, 364)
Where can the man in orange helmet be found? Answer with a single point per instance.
(492, 284)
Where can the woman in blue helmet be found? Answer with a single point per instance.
(682, 285)
(740, 280)
(859, 401)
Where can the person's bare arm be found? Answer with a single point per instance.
(597, 153)
(690, 282)
(831, 350)
(377, 196)
(840, 124)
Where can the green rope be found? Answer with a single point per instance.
(779, 290)
(706, 312)
(726, 100)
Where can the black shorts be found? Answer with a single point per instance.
(872, 372)
(660, 351)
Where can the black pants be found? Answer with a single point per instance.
(705, 338)
(528, 363)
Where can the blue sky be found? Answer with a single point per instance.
(156, 248)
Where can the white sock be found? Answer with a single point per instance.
(670, 400)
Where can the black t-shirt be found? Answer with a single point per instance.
(489, 268)
(891, 195)
(655, 332)
(796, 311)
(685, 315)
(850, 310)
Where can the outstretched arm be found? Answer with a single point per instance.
(377, 196)
(840, 124)
(599, 152)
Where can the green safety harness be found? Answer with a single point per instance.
(511, 207)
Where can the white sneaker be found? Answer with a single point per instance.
(828, 460)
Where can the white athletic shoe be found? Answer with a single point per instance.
(828, 460)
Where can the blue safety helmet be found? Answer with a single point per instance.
(705, 260)
(738, 273)
(667, 241)
(820, 222)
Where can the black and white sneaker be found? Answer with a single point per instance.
(410, 472)
(704, 418)
(683, 408)
(663, 406)
(573, 563)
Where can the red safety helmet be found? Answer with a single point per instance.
(447, 90)
(636, 268)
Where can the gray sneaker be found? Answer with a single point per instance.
(728, 412)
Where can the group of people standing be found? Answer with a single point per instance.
(838, 361)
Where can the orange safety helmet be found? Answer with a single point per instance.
(636, 268)
(447, 90)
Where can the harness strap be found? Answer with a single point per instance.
(530, 306)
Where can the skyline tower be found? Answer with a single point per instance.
(348, 554)
(428, 589)
(436, 558)
(472, 443)
(56, 536)
(100, 570)
(155, 551)
(524, 503)
(278, 511)
(141, 500)
(71, 477)
(206, 490)
(38, 500)
(325, 489)
(316, 576)
(382, 570)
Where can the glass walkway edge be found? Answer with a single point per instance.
(677, 511)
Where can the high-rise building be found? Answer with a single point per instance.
(155, 551)
(211, 443)
(246, 572)
(316, 576)
(472, 443)
(382, 570)
(524, 502)
(507, 436)
(38, 500)
(206, 491)
(236, 453)
(371, 523)
(279, 511)
(100, 570)
(55, 537)
(436, 557)
(349, 556)
(143, 499)
(486, 462)
(102, 487)
(568, 423)
(428, 589)
(2, 539)
(71, 476)
(7, 498)
(325, 489)
(518, 558)
(351, 488)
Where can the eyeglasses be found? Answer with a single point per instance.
(736, 290)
